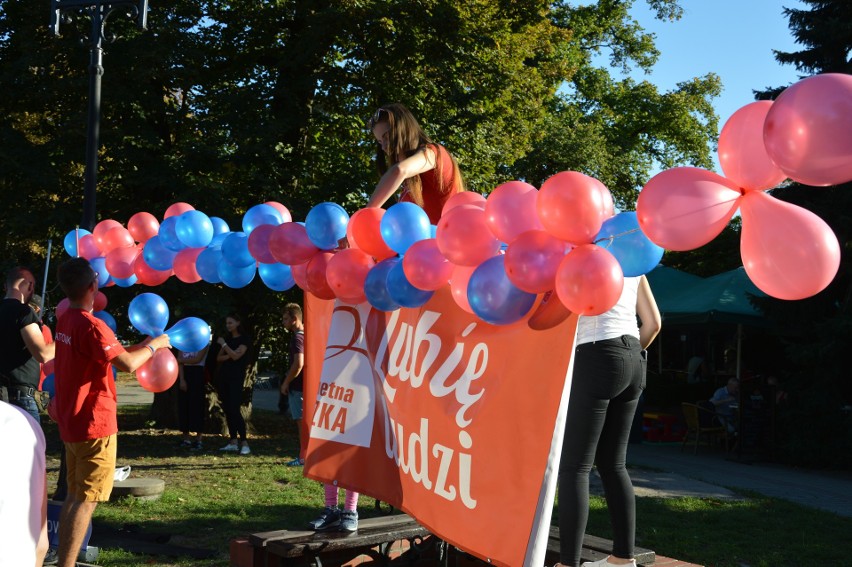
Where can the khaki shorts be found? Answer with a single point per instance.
(91, 468)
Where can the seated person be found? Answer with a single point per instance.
(722, 400)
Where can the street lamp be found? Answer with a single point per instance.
(99, 11)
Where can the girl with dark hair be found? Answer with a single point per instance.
(233, 360)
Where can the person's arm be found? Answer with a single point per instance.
(422, 161)
(228, 353)
(34, 339)
(646, 308)
(137, 355)
(295, 367)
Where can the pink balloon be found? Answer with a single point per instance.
(62, 307)
(177, 209)
(119, 261)
(347, 271)
(571, 207)
(285, 213)
(184, 265)
(100, 231)
(464, 198)
(808, 130)
(159, 373)
(364, 232)
(425, 267)
(146, 275)
(100, 302)
(510, 210)
(608, 207)
(316, 275)
(117, 237)
(742, 155)
(532, 260)
(458, 286)
(258, 243)
(289, 244)
(87, 247)
(589, 280)
(788, 252)
(143, 226)
(49, 367)
(464, 238)
(300, 275)
(686, 207)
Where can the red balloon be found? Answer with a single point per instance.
(285, 213)
(808, 130)
(159, 373)
(532, 260)
(100, 231)
(742, 155)
(49, 366)
(100, 302)
(364, 232)
(316, 275)
(458, 286)
(608, 209)
(87, 247)
(788, 252)
(289, 244)
(177, 209)
(464, 238)
(425, 267)
(589, 280)
(347, 271)
(119, 261)
(117, 237)
(184, 265)
(686, 207)
(464, 198)
(62, 307)
(143, 226)
(571, 207)
(146, 275)
(300, 275)
(258, 243)
(510, 210)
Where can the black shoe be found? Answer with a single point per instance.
(52, 557)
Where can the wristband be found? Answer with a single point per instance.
(152, 349)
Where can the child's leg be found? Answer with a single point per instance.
(351, 501)
(331, 496)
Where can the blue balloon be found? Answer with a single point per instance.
(219, 225)
(235, 276)
(404, 224)
(106, 318)
(623, 238)
(99, 265)
(259, 215)
(376, 286)
(168, 235)
(194, 229)
(158, 256)
(235, 250)
(277, 277)
(401, 290)
(49, 384)
(326, 225)
(218, 239)
(71, 239)
(207, 265)
(148, 314)
(495, 299)
(190, 334)
(126, 282)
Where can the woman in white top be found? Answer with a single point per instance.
(609, 376)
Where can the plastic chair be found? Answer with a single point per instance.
(701, 421)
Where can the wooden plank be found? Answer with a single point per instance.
(323, 542)
(262, 539)
(595, 548)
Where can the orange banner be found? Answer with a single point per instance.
(441, 415)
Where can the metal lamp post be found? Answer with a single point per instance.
(99, 11)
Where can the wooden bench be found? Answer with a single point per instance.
(384, 539)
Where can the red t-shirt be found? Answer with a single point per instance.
(86, 399)
(433, 198)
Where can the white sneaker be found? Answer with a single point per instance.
(605, 563)
(244, 450)
(231, 447)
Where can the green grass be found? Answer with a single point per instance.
(213, 497)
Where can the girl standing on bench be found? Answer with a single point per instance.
(609, 375)
(334, 519)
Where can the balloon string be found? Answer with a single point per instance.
(614, 236)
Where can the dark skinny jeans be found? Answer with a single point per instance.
(232, 391)
(609, 377)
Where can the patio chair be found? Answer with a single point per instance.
(702, 423)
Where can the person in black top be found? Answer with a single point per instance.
(291, 385)
(233, 360)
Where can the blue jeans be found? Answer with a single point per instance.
(26, 403)
(609, 377)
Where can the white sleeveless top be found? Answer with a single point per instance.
(618, 321)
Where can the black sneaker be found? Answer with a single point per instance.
(328, 520)
(52, 557)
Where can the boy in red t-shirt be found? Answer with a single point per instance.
(86, 401)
